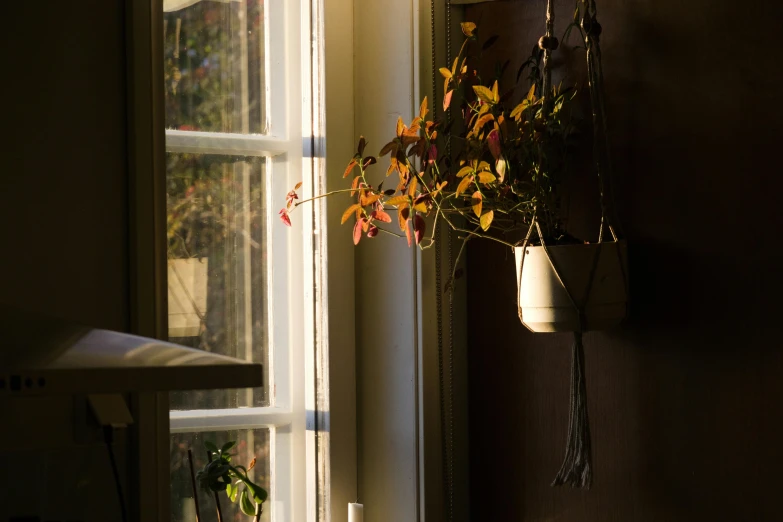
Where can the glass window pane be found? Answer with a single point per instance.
(217, 293)
(214, 66)
(250, 444)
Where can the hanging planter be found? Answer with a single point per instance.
(553, 288)
(500, 175)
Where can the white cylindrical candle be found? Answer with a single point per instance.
(355, 512)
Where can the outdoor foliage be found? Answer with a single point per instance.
(221, 475)
(508, 161)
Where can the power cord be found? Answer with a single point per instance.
(108, 438)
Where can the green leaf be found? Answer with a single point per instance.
(259, 494)
(227, 446)
(211, 446)
(246, 505)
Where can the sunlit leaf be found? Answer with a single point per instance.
(413, 186)
(357, 231)
(531, 94)
(403, 213)
(246, 505)
(482, 121)
(380, 215)
(495, 95)
(423, 108)
(464, 184)
(447, 100)
(397, 200)
(468, 28)
(483, 165)
(477, 203)
(500, 167)
(350, 210)
(464, 171)
(445, 72)
(483, 93)
(355, 184)
(400, 126)
(486, 220)
(486, 177)
(350, 167)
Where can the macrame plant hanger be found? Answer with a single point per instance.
(445, 353)
(576, 469)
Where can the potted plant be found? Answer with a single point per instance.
(221, 475)
(503, 184)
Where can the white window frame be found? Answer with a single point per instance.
(282, 146)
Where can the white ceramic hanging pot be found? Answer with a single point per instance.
(543, 300)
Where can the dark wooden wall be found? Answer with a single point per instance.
(685, 401)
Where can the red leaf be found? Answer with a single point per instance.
(447, 100)
(408, 232)
(433, 154)
(419, 226)
(373, 231)
(357, 231)
(380, 215)
(285, 218)
(493, 139)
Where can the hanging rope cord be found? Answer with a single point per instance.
(447, 430)
(576, 469)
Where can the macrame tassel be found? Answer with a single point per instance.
(576, 470)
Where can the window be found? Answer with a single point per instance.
(233, 149)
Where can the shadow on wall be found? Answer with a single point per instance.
(684, 400)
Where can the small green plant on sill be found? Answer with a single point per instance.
(221, 475)
(505, 169)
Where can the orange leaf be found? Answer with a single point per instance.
(467, 169)
(486, 220)
(423, 108)
(400, 126)
(413, 186)
(355, 184)
(380, 215)
(445, 72)
(403, 213)
(477, 203)
(298, 186)
(350, 210)
(369, 200)
(350, 167)
(486, 177)
(495, 95)
(464, 184)
(468, 28)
